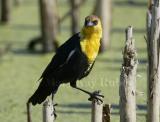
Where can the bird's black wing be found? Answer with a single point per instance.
(62, 55)
(60, 69)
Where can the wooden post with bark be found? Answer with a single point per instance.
(107, 113)
(48, 111)
(127, 88)
(97, 110)
(103, 8)
(153, 38)
(5, 6)
(75, 15)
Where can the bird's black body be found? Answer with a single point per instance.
(72, 61)
(68, 65)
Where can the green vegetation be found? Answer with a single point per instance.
(19, 69)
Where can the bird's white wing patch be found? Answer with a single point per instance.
(70, 55)
(68, 58)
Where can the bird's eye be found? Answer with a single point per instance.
(95, 22)
(85, 22)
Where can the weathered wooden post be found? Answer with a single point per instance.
(127, 88)
(103, 8)
(153, 38)
(106, 113)
(97, 110)
(48, 111)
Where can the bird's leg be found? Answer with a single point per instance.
(52, 98)
(55, 104)
(54, 110)
(94, 95)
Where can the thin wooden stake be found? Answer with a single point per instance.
(127, 86)
(97, 110)
(29, 117)
(107, 113)
(48, 111)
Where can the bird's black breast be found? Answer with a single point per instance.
(75, 68)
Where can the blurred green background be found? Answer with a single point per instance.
(20, 69)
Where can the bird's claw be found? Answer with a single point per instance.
(54, 110)
(96, 96)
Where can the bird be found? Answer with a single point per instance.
(72, 61)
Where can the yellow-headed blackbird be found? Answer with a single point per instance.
(72, 61)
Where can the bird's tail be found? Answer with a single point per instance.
(45, 89)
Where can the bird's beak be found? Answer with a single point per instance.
(89, 24)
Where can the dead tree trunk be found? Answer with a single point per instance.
(75, 15)
(5, 6)
(103, 8)
(153, 37)
(127, 86)
(48, 24)
(49, 27)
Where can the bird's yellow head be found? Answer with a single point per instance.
(91, 34)
(92, 25)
